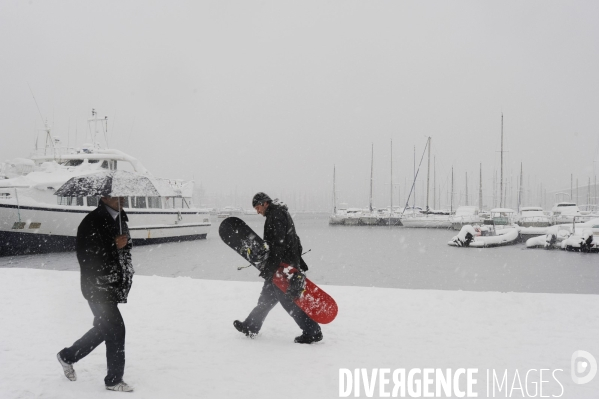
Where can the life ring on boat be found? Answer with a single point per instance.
(478, 231)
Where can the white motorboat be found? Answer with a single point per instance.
(584, 242)
(484, 237)
(566, 212)
(34, 220)
(529, 232)
(465, 215)
(532, 216)
(501, 218)
(551, 238)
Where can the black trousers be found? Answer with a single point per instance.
(269, 297)
(108, 327)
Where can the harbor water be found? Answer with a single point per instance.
(391, 257)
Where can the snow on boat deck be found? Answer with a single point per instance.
(181, 342)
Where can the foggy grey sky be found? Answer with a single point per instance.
(269, 95)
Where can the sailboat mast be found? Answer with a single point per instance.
(467, 189)
(391, 182)
(480, 189)
(415, 186)
(334, 193)
(391, 186)
(428, 172)
(371, 173)
(451, 203)
(435, 182)
(520, 191)
(501, 176)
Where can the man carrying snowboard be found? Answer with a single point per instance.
(285, 246)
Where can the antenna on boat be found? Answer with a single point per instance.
(94, 134)
(37, 106)
(45, 122)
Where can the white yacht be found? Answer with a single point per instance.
(532, 216)
(567, 212)
(501, 218)
(34, 220)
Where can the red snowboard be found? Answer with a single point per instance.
(318, 305)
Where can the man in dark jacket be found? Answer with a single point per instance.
(284, 246)
(104, 254)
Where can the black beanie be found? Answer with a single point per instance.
(260, 198)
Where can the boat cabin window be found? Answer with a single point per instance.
(154, 202)
(561, 205)
(73, 162)
(109, 164)
(138, 202)
(93, 201)
(78, 201)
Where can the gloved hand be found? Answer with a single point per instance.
(297, 284)
(266, 273)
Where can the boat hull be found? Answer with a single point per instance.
(369, 220)
(507, 236)
(352, 221)
(426, 222)
(336, 219)
(53, 229)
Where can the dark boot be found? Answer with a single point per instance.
(308, 338)
(242, 328)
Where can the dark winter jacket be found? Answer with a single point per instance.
(106, 272)
(283, 242)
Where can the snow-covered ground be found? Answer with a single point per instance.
(181, 342)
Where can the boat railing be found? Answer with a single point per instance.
(532, 218)
(56, 152)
